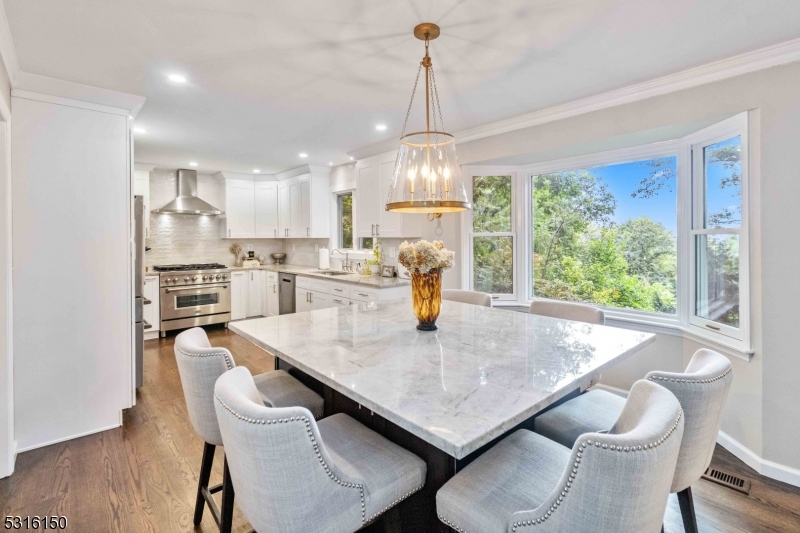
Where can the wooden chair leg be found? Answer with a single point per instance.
(226, 518)
(686, 503)
(205, 476)
(391, 521)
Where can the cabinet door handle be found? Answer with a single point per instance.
(276, 232)
(311, 297)
(373, 230)
(362, 294)
(308, 232)
(337, 300)
(251, 276)
(377, 229)
(338, 290)
(229, 232)
(274, 288)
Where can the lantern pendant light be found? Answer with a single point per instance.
(427, 176)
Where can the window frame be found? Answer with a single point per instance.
(611, 157)
(339, 226)
(694, 146)
(468, 235)
(682, 322)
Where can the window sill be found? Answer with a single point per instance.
(731, 348)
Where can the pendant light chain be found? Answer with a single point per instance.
(413, 92)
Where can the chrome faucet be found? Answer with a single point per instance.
(347, 265)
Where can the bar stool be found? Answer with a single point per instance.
(702, 390)
(199, 366)
(617, 481)
(296, 475)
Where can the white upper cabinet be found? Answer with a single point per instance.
(239, 206)
(266, 209)
(284, 208)
(373, 179)
(303, 204)
(367, 197)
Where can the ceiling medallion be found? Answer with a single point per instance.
(427, 177)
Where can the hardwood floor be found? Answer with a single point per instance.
(143, 477)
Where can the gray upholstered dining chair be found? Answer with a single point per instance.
(199, 366)
(467, 297)
(702, 390)
(568, 311)
(617, 481)
(296, 475)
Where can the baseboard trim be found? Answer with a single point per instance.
(8, 468)
(79, 435)
(764, 467)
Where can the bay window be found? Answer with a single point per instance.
(654, 234)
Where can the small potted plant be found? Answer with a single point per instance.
(425, 262)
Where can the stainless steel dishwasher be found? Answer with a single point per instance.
(286, 293)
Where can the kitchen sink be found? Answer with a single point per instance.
(331, 272)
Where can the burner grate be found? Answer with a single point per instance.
(195, 266)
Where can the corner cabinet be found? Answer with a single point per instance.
(373, 179)
(303, 203)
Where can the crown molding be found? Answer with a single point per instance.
(106, 98)
(779, 54)
(7, 50)
(771, 56)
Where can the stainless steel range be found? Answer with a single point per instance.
(194, 295)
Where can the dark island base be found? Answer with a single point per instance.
(418, 512)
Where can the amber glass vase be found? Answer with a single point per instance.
(426, 295)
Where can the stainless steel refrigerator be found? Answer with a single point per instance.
(138, 288)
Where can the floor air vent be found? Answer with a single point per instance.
(727, 480)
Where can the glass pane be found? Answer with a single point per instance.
(346, 221)
(366, 243)
(723, 170)
(193, 300)
(493, 264)
(607, 235)
(718, 278)
(491, 204)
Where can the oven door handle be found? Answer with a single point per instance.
(196, 288)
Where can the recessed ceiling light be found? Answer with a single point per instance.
(351, 159)
(177, 78)
(139, 130)
(256, 170)
(381, 127)
(303, 155)
(331, 163)
(193, 163)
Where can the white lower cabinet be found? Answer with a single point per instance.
(273, 296)
(256, 301)
(302, 300)
(339, 301)
(239, 294)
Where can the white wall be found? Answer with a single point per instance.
(72, 279)
(7, 445)
(762, 409)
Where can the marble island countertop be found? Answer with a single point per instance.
(485, 370)
(312, 272)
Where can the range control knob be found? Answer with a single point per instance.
(224, 276)
(217, 277)
(205, 278)
(174, 280)
(194, 278)
(186, 278)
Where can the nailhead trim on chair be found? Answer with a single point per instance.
(228, 361)
(303, 419)
(398, 500)
(683, 380)
(575, 466)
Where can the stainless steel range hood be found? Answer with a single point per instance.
(187, 202)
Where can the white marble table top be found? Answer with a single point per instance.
(482, 373)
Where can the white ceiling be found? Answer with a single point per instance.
(269, 79)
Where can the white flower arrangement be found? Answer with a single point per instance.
(423, 256)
